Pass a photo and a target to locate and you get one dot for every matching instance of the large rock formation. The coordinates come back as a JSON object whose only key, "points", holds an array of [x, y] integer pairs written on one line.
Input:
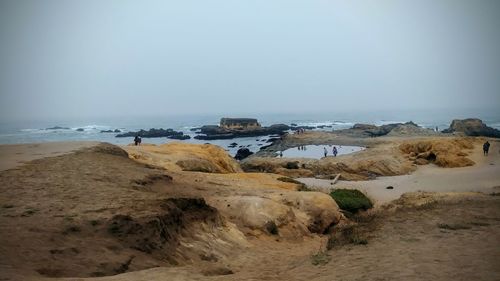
{"points": [[188, 157], [395, 129], [212, 132], [156, 133], [449, 153], [472, 127]]}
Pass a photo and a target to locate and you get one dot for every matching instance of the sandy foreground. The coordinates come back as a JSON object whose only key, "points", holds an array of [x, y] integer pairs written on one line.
{"points": [[55, 209], [13, 155]]}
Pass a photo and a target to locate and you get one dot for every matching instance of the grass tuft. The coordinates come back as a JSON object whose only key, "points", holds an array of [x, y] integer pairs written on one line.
{"points": [[351, 200], [321, 258]]}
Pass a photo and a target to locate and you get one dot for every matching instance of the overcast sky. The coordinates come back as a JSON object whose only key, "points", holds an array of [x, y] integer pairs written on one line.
{"points": [[111, 58]]}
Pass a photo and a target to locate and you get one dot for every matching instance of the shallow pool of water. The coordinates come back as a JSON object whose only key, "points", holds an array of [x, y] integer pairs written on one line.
{"points": [[317, 151]]}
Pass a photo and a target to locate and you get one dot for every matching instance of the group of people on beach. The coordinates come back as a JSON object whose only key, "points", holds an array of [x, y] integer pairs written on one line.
{"points": [[334, 151], [301, 147], [300, 131]]}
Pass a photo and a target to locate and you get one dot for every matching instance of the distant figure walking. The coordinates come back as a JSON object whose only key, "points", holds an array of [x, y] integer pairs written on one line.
{"points": [[137, 140], [335, 151], [326, 151], [437, 130], [281, 154], [486, 148]]}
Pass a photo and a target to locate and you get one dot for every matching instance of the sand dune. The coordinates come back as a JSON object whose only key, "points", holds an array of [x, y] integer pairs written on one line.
{"points": [[97, 212]]}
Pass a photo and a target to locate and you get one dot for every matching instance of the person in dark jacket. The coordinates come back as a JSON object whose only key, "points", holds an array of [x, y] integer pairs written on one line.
{"points": [[137, 140], [486, 148]]}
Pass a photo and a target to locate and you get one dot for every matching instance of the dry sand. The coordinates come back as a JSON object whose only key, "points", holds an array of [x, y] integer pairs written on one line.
{"points": [[457, 237], [13, 155]]}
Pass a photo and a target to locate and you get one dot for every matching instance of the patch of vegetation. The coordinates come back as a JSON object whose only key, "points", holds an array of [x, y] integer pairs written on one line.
{"points": [[351, 200], [355, 233], [7, 206], [456, 226], [321, 258], [94, 222]]}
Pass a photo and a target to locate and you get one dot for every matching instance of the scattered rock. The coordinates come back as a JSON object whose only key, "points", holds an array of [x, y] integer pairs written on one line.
{"points": [[242, 153], [80, 129], [390, 187], [292, 165]]}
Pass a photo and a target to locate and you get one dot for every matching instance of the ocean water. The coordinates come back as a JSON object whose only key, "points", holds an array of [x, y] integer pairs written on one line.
{"points": [[36, 131], [318, 151]]}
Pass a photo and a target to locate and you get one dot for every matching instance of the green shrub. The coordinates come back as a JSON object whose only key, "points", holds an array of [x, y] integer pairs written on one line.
{"points": [[351, 200]]}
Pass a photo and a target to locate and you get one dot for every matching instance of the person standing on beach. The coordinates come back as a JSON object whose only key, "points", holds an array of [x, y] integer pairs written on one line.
{"points": [[486, 148], [335, 151], [136, 140], [326, 152]]}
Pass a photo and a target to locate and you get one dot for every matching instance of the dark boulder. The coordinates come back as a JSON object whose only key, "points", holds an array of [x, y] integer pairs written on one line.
{"points": [[80, 129], [242, 153], [472, 127], [292, 165]]}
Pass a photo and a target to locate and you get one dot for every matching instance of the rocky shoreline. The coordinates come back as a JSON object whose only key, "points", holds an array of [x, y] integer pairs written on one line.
{"points": [[156, 133], [365, 134]]}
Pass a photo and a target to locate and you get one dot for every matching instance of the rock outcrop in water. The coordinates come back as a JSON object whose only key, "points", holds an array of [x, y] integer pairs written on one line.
{"points": [[111, 131], [57, 128], [156, 133], [395, 129], [472, 127], [214, 132]]}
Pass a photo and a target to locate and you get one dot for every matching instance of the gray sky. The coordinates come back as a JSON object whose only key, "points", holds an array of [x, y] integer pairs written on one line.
{"points": [[111, 58]]}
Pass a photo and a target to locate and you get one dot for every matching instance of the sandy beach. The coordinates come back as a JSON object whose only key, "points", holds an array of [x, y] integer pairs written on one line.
{"points": [[78, 211], [483, 177]]}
